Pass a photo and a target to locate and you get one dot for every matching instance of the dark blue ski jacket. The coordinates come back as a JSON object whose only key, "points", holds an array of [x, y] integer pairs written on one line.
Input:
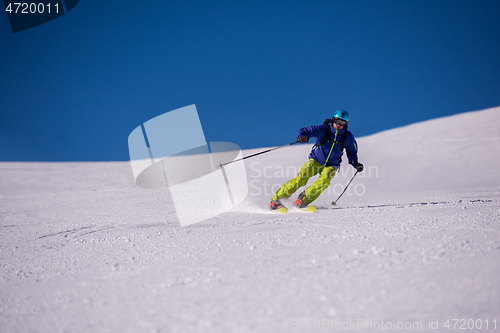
{"points": [[330, 153]]}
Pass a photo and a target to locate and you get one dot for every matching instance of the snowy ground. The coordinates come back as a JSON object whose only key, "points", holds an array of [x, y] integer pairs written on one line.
{"points": [[84, 250]]}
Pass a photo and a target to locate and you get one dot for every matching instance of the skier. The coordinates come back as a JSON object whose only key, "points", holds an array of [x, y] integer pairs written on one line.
{"points": [[331, 138]]}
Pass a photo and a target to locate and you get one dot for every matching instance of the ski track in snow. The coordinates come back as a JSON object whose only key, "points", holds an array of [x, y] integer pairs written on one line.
{"points": [[83, 250]]}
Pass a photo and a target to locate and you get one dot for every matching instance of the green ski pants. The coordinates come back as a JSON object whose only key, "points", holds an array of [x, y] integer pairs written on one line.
{"points": [[311, 168]]}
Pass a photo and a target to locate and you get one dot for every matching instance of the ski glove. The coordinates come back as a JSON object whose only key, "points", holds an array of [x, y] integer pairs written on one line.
{"points": [[302, 139], [359, 167]]}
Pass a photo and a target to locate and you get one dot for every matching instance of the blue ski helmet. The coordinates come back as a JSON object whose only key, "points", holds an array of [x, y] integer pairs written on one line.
{"points": [[341, 114]]}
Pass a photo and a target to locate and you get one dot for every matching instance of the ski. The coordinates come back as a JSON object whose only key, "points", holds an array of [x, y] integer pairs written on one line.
{"points": [[281, 210], [309, 209], [284, 210]]}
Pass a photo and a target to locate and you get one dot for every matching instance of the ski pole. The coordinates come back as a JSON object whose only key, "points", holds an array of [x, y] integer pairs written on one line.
{"points": [[262, 152], [335, 202]]}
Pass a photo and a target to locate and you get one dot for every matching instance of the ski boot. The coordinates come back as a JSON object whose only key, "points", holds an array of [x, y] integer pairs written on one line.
{"points": [[277, 206], [299, 203]]}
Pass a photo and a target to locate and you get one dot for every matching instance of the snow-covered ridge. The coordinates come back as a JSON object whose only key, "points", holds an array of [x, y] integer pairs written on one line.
{"points": [[445, 153]]}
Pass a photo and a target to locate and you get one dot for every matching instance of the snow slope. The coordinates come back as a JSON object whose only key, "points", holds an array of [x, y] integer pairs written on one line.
{"points": [[414, 243]]}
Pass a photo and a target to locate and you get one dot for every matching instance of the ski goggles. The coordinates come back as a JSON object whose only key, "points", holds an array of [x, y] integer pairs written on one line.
{"points": [[339, 121]]}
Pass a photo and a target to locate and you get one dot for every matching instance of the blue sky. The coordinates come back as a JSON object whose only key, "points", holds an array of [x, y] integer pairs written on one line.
{"points": [[74, 88]]}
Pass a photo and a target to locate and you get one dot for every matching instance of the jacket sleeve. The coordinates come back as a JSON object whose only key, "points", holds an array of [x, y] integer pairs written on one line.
{"points": [[351, 147], [312, 132]]}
